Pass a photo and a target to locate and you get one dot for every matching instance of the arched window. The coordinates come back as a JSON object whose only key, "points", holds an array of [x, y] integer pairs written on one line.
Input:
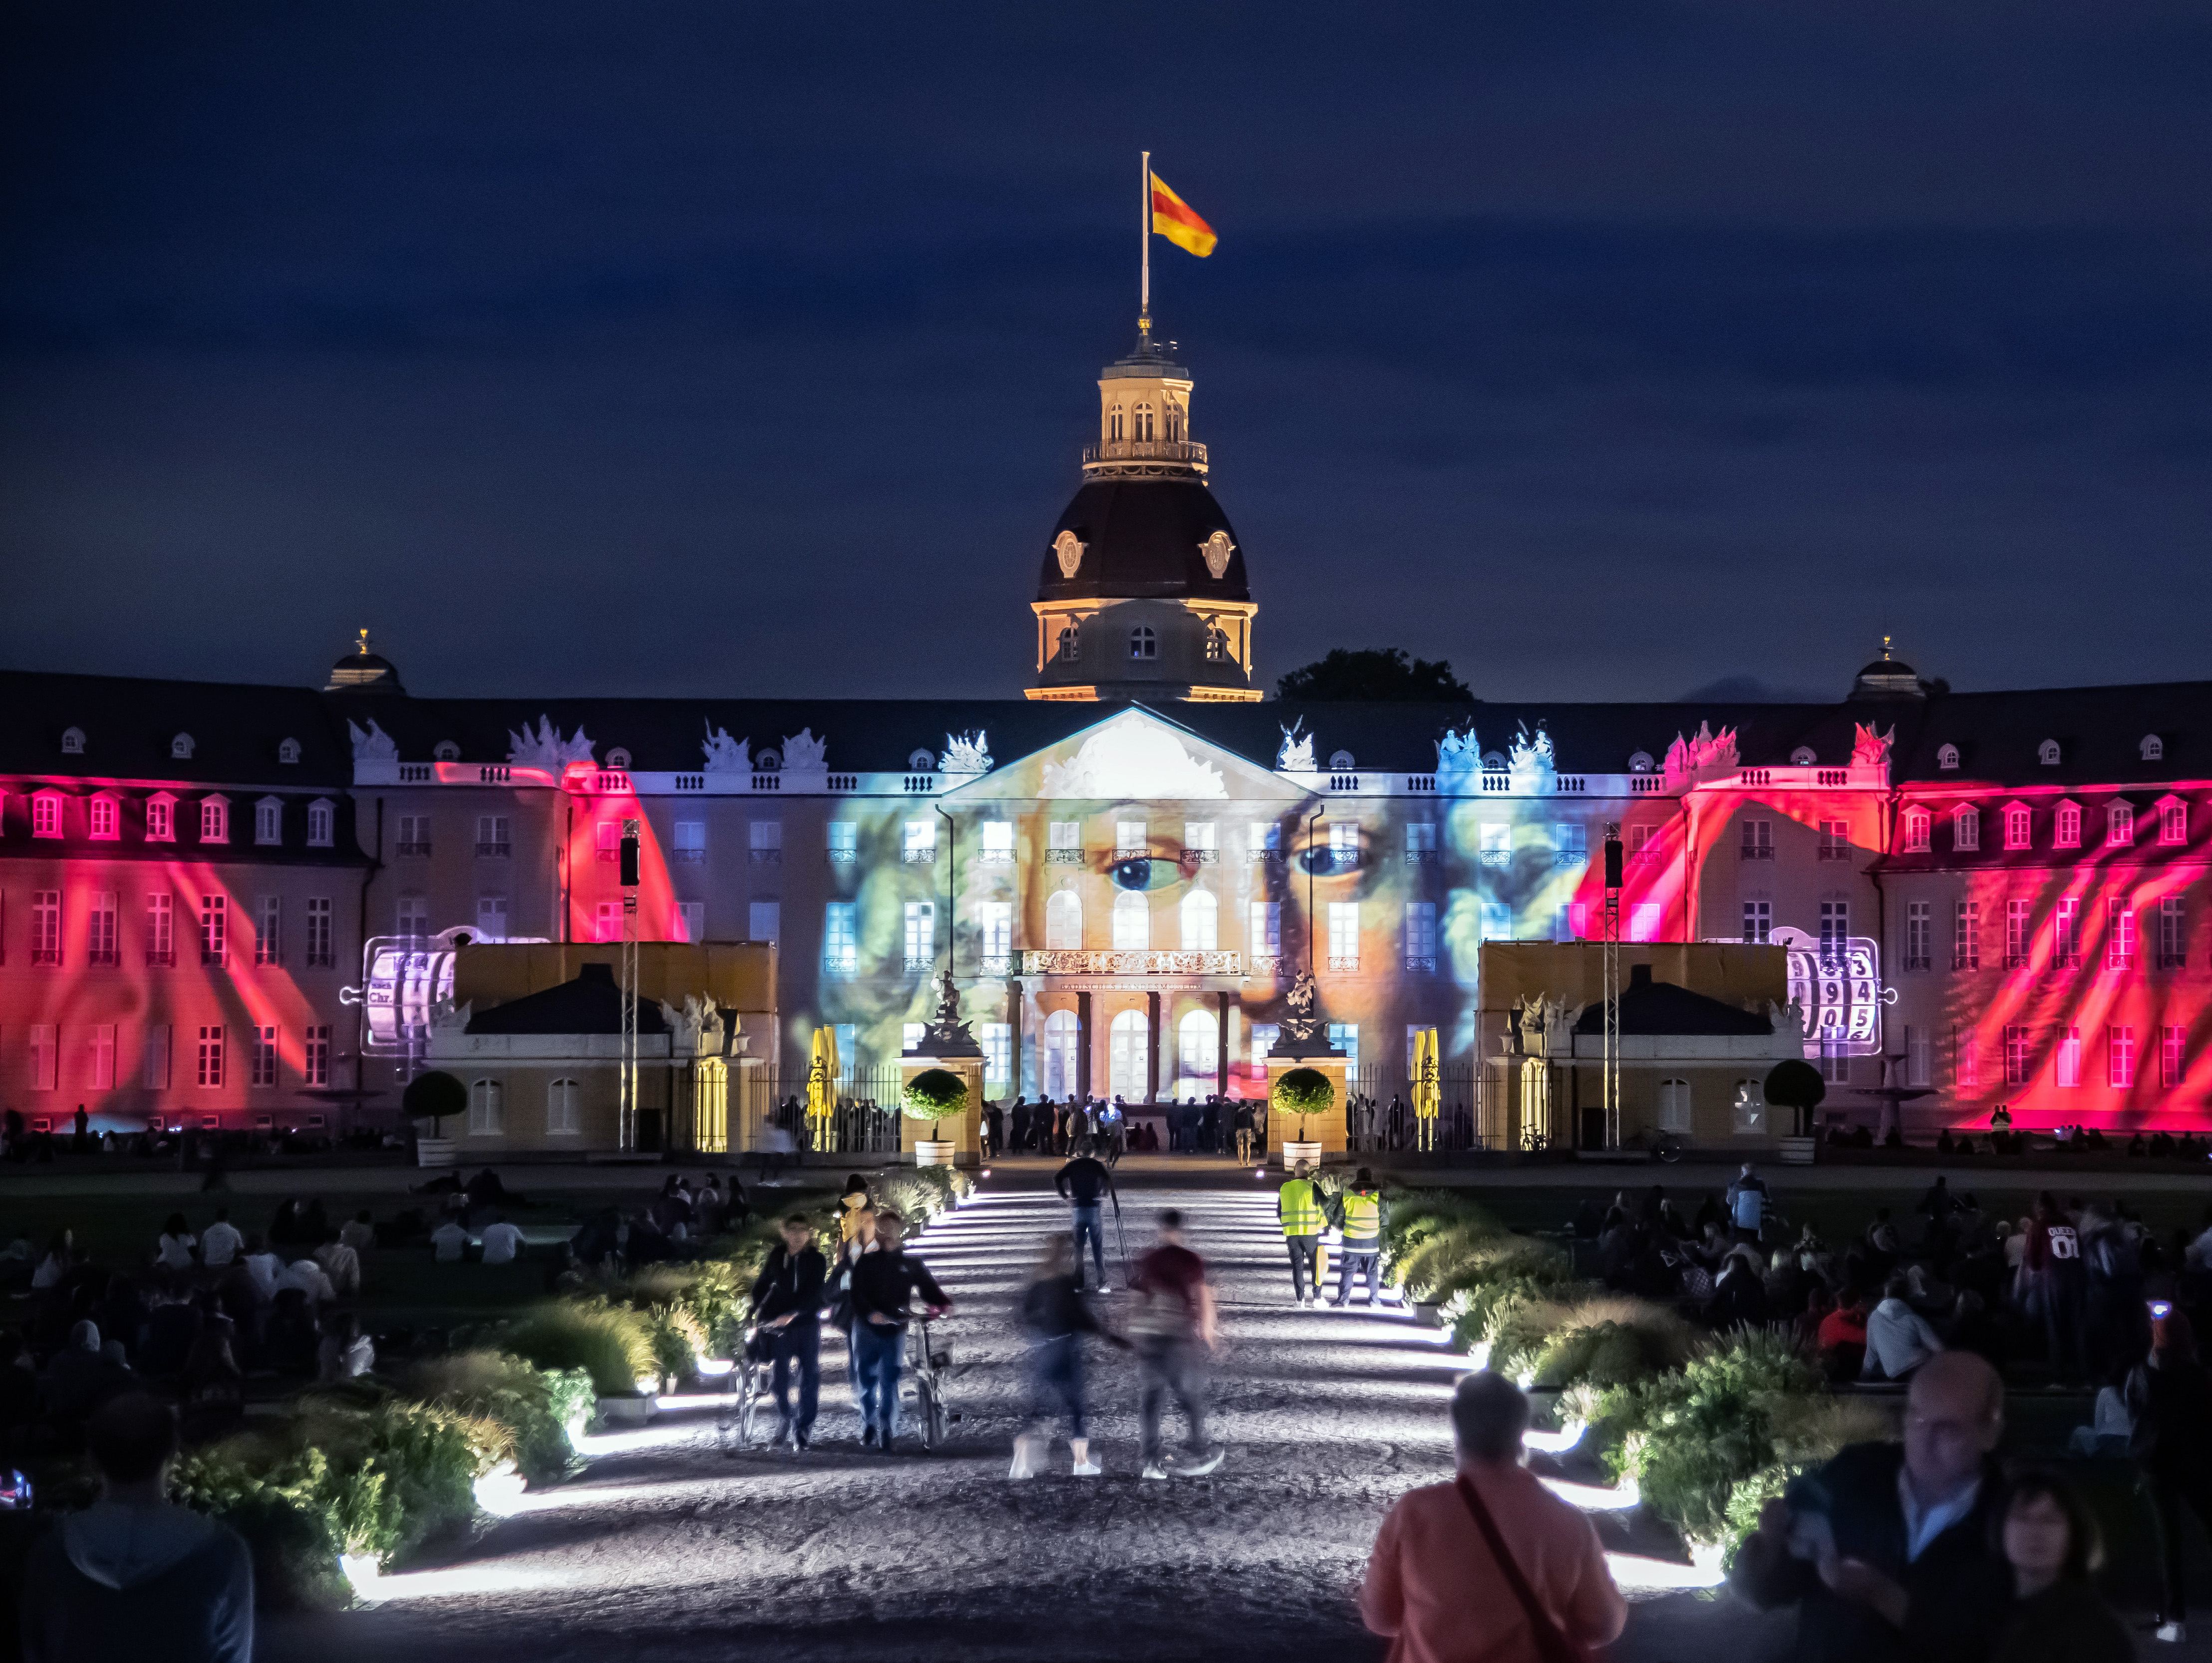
{"points": [[1062, 1034], [1063, 921], [1142, 434], [1116, 425], [2047, 753], [1070, 645], [1129, 1056], [1175, 422], [1132, 922], [2152, 748], [564, 1110], [1674, 1106], [1198, 1054], [1201, 922], [1915, 831], [1947, 757], [487, 1109], [710, 1108], [1142, 644]]}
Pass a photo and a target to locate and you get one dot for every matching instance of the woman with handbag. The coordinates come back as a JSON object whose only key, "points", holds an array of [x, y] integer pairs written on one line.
{"points": [[1491, 1566]]}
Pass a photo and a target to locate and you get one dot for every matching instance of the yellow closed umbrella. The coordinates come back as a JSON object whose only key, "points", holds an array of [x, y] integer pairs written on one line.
{"points": [[822, 1074], [1428, 1080]]}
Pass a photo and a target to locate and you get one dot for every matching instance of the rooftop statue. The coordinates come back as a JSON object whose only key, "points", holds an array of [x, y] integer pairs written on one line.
{"points": [[804, 754], [1868, 748], [725, 755], [1296, 755], [966, 754], [374, 746], [546, 749]]}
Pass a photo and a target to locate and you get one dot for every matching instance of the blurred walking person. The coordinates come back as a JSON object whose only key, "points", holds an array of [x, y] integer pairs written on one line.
{"points": [[1490, 1565], [1175, 1330], [1056, 1318]]}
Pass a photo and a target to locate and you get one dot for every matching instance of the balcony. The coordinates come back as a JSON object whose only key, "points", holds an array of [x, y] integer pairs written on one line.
{"points": [[1965, 961], [1123, 961], [921, 964], [1199, 857], [52, 956], [492, 851], [920, 857], [691, 857], [1835, 852], [841, 964], [2119, 961], [2015, 961], [1344, 967], [758, 857], [995, 964], [1420, 857], [161, 958], [415, 851], [847, 855], [104, 955], [322, 961], [2066, 958], [1121, 855], [1063, 857], [1501, 856], [2172, 961], [1267, 964], [214, 956], [1570, 857], [996, 858], [1920, 964], [1181, 451]]}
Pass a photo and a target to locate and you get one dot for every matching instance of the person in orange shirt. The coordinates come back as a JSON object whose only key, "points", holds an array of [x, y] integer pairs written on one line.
{"points": [[1443, 1584]]}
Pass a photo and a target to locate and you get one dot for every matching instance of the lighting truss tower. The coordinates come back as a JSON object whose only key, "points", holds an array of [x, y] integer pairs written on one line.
{"points": [[1611, 950], [626, 1116]]}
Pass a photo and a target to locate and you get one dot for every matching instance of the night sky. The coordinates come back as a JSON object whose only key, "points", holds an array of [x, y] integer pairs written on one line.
{"points": [[1606, 350]]}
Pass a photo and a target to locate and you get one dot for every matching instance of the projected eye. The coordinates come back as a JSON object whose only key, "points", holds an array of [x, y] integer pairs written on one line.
{"points": [[1324, 858], [1145, 872]]}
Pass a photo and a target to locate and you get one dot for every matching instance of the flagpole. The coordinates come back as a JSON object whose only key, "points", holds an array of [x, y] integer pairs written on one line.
{"points": [[1145, 241]]}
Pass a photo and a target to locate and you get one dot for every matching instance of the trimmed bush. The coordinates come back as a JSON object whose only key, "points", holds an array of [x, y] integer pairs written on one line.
{"points": [[610, 1343], [935, 1094], [1610, 1340], [535, 1406], [1300, 1094], [677, 1340]]}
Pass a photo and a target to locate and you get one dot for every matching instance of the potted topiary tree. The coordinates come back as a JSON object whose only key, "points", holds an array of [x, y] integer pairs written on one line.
{"points": [[934, 1095], [1301, 1092], [432, 1097], [1796, 1085]]}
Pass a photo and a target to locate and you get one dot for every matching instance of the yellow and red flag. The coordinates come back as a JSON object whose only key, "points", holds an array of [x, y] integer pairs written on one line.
{"points": [[1172, 218]]}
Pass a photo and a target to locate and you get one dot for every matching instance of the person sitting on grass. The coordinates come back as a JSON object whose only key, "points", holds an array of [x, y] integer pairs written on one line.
{"points": [[310, 1280], [1898, 1338], [135, 1575], [449, 1242], [59, 1257], [345, 1354], [176, 1245], [220, 1243], [263, 1266], [502, 1241], [341, 1264], [358, 1232]]}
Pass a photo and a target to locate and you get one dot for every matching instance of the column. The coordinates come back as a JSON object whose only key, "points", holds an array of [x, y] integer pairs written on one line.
{"points": [[1221, 1044], [1083, 1044], [1152, 1045]]}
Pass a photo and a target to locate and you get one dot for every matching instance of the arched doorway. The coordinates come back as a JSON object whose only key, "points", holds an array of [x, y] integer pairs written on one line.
{"points": [[1674, 1106], [1128, 1057], [1061, 1035]]}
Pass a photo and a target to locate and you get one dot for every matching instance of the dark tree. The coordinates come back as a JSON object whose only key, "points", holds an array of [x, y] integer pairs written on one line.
{"points": [[1383, 673], [1797, 1085], [432, 1097]]}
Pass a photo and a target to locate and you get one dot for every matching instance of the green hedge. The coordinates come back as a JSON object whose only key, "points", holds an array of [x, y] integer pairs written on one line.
{"points": [[535, 1406], [935, 1094], [610, 1343]]}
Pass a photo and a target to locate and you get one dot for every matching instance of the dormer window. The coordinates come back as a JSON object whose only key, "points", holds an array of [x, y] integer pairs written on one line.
{"points": [[1802, 757], [1339, 762], [1966, 829], [160, 818], [1946, 757], [2173, 821], [2047, 753], [319, 823], [1640, 763], [446, 751], [2120, 826], [104, 822], [2019, 824], [1918, 822], [269, 821], [214, 820], [2152, 748], [619, 758], [72, 742], [180, 748], [2066, 827], [47, 814], [1143, 643], [922, 761], [287, 751]]}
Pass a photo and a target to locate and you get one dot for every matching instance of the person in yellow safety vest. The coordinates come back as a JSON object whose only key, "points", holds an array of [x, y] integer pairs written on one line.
{"points": [[1298, 1205], [1361, 1214]]}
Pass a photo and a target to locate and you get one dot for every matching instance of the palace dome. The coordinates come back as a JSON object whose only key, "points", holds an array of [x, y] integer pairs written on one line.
{"points": [[1146, 538]]}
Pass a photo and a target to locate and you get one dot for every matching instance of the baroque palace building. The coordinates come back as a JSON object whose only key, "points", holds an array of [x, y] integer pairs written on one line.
{"points": [[233, 905]]}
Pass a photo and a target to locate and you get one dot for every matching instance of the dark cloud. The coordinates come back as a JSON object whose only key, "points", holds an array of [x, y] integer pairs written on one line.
{"points": [[1592, 347]]}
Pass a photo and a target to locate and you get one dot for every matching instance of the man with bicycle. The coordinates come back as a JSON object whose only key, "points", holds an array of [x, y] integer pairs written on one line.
{"points": [[883, 1282], [786, 1313]]}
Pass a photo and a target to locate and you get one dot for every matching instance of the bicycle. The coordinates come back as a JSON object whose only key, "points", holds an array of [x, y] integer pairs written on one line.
{"points": [[1664, 1146], [927, 1368], [746, 1398]]}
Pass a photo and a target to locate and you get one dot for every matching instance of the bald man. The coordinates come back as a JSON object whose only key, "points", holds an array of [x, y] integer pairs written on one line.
{"points": [[1886, 1550]]}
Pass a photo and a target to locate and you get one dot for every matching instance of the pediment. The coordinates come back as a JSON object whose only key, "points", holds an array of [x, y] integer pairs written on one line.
{"points": [[1134, 756]]}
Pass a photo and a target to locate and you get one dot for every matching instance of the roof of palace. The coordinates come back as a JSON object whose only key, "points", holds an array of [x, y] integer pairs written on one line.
{"points": [[589, 1003], [1650, 1006], [237, 730]]}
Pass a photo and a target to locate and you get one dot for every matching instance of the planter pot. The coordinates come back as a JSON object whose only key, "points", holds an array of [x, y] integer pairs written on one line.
{"points": [[434, 1151], [1294, 1153], [1795, 1151], [635, 1410], [933, 1152]]}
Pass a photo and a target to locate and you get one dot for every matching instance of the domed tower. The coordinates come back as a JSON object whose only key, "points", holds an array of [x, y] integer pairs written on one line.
{"points": [[1142, 593], [363, 671]]}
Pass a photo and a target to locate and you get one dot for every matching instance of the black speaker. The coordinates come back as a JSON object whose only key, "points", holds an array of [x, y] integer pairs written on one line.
{"points": [[629, 863], [1613, 863]]}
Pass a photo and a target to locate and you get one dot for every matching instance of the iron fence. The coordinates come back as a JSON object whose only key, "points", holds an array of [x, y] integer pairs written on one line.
{"points": [[865, 1120], [1379, 1111]]}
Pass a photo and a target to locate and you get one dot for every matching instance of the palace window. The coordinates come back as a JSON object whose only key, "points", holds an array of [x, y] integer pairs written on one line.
{"points": [[996, 922], [1063, 921], [160, 929], [318, 824], [210, 1058], [1645, 921], [214, 820], [1344, 935], [690, 843], [161, 818], [1133, 923], [46, 926], [2119, 826], [1947, 757], [269, 935], [414, 834], [1201, 922], [104, 819], [100, 934], [1835, 839], [1966, 829], [262, 1058], [917, 841], [2120, 1056], [2019, 921], [2173, 1064], [1143, 643], [2173, 933], [1142, 424], [1570, 844], [46, 815], [1758, 921], [1919, 929], [564, 1105], [487, 1109], [1915, 840], [2173, 821], [844, 840], [921, 937], [998, 842], [269, 821], [1420, 935], [215, 927], [2119, 934], [2066, 933], [491, 918], [1070, 644], [320, 952], [2066, 827], [2019, 1053], [1268, 929], [2017, 823], [763, 843], [2070, 1057], [841, 938], [315, 1057], [153, 1062], [1835, 929]]}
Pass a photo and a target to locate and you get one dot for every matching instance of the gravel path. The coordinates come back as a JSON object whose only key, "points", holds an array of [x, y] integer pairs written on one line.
{"points": [[669, 1549]]}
